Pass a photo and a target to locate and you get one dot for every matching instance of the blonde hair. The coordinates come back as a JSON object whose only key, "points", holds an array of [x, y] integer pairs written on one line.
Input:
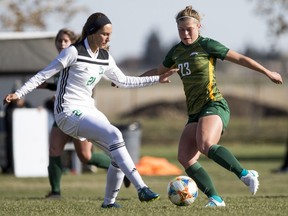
{"points": [[188, 12]]}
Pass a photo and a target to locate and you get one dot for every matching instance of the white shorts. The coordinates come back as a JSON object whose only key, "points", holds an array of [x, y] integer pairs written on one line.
{"points": [[91, 124]]}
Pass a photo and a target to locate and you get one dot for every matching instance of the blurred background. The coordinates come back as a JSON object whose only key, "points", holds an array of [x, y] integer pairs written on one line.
{"points": [[143, 31]]}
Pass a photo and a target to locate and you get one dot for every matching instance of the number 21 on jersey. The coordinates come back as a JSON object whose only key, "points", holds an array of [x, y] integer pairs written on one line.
{"points": [[91, 81]]}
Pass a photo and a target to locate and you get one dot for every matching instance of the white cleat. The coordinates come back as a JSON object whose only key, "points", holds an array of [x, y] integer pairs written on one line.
{"points": [[251, 180], [214, 203]]}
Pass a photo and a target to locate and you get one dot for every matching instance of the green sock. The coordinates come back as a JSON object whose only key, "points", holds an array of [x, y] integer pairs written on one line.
{"points": [[202, 179], [225, 158], [101, 160], [55, 173]]}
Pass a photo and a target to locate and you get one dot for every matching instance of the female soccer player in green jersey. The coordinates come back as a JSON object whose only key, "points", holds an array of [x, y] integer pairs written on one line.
{"points": [[208, 112]]}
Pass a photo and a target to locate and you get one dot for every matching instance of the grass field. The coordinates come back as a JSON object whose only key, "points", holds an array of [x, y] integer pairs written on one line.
{"points": [[83, 194], [258, 145]]}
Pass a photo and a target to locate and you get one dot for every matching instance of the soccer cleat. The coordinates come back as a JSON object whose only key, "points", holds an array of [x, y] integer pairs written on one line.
{"points": [[53, 195], [214, 203], [113, 205], [127, 182], [146, 195], [251, 180], [282, 169]]}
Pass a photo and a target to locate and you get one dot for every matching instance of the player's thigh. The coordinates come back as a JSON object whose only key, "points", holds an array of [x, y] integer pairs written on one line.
{"points": [[57, 141], [100, 130], [209, 132], [187, 150], [83, 149]]}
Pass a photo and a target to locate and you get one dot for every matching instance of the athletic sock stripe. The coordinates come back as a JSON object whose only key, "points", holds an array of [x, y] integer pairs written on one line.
{"points": [[113, 163], [116, 146]]}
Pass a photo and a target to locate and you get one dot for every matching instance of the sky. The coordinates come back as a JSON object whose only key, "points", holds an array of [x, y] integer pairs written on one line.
{"points": [[233, 23]]}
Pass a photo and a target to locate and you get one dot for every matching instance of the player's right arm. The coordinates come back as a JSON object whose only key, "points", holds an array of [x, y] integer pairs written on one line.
{"points": [[161, 69], [34, 81], [63, 59], [49, 86], [9, 98]]}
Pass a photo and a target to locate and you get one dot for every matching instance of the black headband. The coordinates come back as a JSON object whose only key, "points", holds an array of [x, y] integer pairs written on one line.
{"points": [[98, 24]]}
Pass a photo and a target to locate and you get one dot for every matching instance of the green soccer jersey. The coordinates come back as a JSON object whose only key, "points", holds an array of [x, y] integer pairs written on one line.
{"points": [[196, 63]]}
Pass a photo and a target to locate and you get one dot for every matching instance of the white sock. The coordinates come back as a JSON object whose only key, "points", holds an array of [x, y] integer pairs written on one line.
{"points": [[113, 183], [126, 164]]}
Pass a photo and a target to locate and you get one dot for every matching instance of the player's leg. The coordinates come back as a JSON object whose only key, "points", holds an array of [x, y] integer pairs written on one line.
{"points": [[188, 155], [210, 129], [87, 156], [113, 181], [284, 167], [106, 136], [209, 132], [57, 141]]}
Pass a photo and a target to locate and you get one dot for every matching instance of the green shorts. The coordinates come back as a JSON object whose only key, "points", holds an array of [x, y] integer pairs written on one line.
{"points": [[219, 108]]}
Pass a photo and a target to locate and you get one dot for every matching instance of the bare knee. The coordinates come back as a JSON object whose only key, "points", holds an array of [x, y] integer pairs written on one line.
{"points": [[84, 157], [83, 150], [55, 149], [204, 148], [188, 160], [57, 141]]}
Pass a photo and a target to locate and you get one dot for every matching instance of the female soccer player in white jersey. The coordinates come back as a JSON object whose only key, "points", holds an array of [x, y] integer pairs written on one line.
{"points": [[82, 65], [58, 139]]}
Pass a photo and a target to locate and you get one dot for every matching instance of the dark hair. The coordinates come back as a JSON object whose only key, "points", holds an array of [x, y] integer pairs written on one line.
{"points": [[94, 22], [72, 36]]}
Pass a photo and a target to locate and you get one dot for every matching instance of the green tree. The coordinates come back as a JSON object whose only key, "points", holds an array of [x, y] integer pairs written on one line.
{"points": [[19, 15]]}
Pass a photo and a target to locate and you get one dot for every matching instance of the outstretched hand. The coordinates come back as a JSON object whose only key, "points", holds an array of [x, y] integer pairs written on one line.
{"points": [[275, 77], [9, 98], [163, 78]]}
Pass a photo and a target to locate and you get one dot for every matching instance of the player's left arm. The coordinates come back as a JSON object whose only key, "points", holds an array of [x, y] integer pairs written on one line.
{"points": [[245, 61]]}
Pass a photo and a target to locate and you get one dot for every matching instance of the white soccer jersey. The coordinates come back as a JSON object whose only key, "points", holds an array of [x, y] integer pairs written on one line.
{"points": [[81, 70]]}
